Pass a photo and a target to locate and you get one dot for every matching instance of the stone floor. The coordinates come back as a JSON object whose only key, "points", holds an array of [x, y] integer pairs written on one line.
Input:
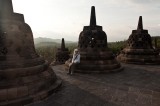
{"points": [[137, 85]]}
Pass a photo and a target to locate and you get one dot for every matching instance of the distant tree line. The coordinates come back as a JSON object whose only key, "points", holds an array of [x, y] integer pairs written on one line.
{"points": [[48, 51]]}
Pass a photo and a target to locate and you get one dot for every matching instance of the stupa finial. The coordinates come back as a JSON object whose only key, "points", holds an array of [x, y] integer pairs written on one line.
{"points": [[93, 17], [140, 23], [63, 44]]}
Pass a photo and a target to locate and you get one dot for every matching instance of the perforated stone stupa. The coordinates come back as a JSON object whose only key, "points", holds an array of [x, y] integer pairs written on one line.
{"points": [[95, 55], [62, 54], [139, 49], [24, 76]]}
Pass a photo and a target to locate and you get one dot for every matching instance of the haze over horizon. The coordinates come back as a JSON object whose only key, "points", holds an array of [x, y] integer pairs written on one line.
{"points": [[66, 18]]}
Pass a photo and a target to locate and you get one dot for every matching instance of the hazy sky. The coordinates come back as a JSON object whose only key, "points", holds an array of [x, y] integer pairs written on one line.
{"points": [[66, 18]]}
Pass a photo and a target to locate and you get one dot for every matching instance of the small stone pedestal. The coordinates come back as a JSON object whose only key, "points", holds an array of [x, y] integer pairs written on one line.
{"points": [[62, 54]]}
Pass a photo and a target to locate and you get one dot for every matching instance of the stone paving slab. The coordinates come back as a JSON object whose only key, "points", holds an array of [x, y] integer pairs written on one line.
{"points": [[137, 85]]}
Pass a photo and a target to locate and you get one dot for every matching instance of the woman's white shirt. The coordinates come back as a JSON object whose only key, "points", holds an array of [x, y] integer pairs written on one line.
{"points": [[76, 58]]}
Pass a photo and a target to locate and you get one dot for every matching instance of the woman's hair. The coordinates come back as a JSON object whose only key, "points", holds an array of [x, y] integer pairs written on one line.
{"points": [[75, 51]]}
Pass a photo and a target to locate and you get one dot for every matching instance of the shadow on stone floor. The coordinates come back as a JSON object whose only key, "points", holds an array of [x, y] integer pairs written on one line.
{"points": [[71, 95], [135, 86]]}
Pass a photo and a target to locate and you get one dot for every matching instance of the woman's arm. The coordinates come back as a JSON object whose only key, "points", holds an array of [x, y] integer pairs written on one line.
{"points": [[73, 58]]}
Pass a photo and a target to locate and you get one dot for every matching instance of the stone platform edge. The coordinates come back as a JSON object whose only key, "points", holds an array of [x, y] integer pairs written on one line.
{"points": [[33, 98]]}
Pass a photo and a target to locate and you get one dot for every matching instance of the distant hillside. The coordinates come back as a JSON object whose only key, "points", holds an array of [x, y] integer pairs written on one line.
{"points": [[43, 42], [43, 39]]}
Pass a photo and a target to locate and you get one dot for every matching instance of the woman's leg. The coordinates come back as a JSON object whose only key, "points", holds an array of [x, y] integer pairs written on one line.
{"points": [[73, 67], [70, 68]]}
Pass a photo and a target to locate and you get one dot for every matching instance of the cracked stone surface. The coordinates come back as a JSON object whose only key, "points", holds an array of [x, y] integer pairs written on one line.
{"points": [[137, 85]]}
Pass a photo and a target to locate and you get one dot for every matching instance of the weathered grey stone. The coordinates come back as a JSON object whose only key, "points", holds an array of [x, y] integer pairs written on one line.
{"points": [[96, 57], [24, 75], [139, 49], [62, 54]]}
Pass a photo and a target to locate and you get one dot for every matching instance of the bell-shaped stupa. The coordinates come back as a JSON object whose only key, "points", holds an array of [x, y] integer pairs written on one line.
{"points": [[24, 76], [139, 49], [62, 54], [95, 55]]}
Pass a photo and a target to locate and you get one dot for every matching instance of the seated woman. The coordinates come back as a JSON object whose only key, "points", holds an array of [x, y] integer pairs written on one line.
{"points": [[74, 62]]}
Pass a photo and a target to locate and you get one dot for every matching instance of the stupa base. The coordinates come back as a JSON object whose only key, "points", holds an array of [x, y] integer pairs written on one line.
{"points": [[95, 68], [144, 60], [99, 71], [30, 89]]}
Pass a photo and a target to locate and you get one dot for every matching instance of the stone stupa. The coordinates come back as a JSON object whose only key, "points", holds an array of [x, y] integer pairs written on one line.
{"points": [[25, 77], [96, 57], [62, 54], [139, 49]]}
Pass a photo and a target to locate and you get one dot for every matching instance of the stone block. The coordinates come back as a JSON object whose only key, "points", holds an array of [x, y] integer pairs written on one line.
{"points": [[3, 94], [12, 93], [22, 91]]}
